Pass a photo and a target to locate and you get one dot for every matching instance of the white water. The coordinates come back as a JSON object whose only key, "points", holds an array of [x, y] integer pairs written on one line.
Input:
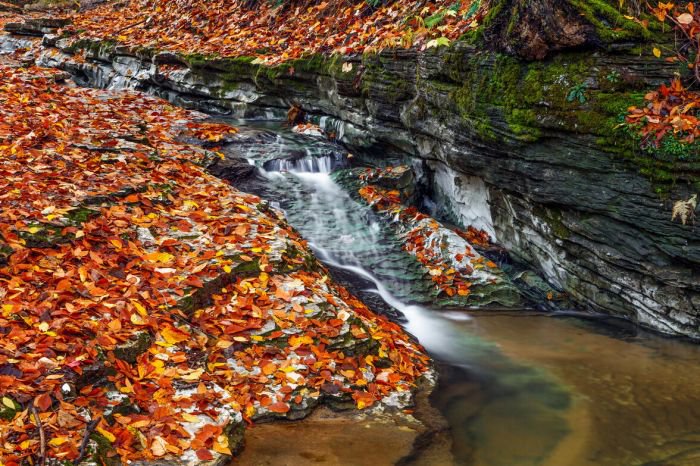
{"points": [[346, 240], [308, 164]]}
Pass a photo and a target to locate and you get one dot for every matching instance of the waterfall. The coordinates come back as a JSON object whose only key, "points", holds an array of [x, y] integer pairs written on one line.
{"points": [[310, 161], [308, 164]]}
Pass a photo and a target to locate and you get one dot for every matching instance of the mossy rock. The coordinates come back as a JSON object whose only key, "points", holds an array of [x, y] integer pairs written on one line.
{"points": [[198, 298], [535, 29], [5, 252], [135, 347]]}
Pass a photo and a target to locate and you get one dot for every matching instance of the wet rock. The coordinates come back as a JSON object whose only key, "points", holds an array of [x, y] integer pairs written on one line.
{"points": [[133, 348], [232, 169], [37, 26], [9, 44]]}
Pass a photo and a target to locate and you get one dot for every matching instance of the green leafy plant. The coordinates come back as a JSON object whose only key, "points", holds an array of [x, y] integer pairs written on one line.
{"points": [[613, 77], [578, 92]]}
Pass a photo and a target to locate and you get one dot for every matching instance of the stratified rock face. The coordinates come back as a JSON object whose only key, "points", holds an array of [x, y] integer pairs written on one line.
{"points": [[544, 175]]}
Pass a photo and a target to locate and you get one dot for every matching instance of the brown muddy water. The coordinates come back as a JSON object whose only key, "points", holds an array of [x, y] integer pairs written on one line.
{"points": [[538, 390]]}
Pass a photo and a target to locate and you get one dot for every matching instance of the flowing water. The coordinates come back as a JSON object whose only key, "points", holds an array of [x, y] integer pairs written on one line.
{"points": [[517, 388]]}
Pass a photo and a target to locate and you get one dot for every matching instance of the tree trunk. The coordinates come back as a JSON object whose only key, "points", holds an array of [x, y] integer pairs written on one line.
{"points": [[534, 29]]}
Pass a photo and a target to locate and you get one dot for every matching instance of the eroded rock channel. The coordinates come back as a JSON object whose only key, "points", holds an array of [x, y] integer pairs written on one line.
{"points": [[498, 145]]}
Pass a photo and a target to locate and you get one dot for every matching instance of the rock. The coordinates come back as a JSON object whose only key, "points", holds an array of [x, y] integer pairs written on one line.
{"points": [[132, 349], [232, 169], [37, 26], [461, 274], [10, 8], [9, 44]]}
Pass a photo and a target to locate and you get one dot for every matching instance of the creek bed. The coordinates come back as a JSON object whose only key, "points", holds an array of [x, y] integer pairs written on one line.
{"points": [[517, 388]]}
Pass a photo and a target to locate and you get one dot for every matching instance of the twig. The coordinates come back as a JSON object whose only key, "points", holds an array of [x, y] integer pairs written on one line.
{"points": [[42, 436], [130, 26], [86, 438]]}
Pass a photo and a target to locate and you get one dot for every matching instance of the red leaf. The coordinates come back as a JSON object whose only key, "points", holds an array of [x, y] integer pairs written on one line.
{"points": [[43, 402], [204, 454]]}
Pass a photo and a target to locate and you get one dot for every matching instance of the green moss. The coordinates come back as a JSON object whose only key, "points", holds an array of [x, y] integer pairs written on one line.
{"points": [[553, 219], [94, 48], [45, 235], [532, 99], [229, 68], [104, 453], [379, 82], [235, 432], [133, 348], [5, 252], [80, 215], [610, 23]]}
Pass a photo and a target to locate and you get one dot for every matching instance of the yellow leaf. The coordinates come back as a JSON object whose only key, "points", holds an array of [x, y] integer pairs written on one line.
{"points": [[190, 417], [221, 446], [141, 310], [8, 402], [657, 52], [137, 320], [194, 375], [173, 336], [159, 257], [227, 269], [44, 326], [295, 341], [107, 434], [34, 230], [58, 441]]}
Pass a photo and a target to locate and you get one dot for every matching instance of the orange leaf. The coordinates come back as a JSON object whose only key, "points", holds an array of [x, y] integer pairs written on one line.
{"points": [[43, 402], [279, 407]]}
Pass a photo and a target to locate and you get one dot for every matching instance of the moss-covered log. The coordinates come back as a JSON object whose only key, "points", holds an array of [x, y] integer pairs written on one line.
{"points": [[535, 29]]}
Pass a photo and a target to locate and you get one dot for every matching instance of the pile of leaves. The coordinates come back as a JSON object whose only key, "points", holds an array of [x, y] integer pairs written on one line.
{"points": [[279, 31], [687, 22], [451, 263], [669, 118], [149, 305], [669, 111]]}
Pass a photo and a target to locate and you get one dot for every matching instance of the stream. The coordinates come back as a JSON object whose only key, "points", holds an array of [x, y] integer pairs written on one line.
{"points": [[517, 388]]}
